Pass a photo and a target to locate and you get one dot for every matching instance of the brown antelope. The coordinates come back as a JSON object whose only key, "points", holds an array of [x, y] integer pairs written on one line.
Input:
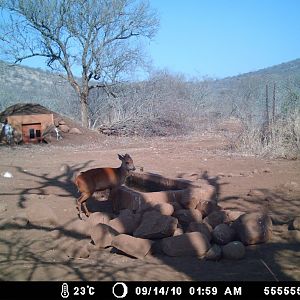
{"points": [[101, 179]]}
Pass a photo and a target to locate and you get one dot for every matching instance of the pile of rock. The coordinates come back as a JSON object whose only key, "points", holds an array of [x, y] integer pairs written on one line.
{"points": [[187, 226], [63, 127]]}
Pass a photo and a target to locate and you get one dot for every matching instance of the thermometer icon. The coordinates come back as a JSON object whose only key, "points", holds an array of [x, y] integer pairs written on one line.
{"points": [[64, 290]]}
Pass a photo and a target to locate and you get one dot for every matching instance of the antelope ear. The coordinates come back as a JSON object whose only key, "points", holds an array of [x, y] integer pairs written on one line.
{"points": [[120, 157]]}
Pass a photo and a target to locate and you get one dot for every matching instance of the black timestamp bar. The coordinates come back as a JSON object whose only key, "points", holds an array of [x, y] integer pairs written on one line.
{"points": [[147, 290]]}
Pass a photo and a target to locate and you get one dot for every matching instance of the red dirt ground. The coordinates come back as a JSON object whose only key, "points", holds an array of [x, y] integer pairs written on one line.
{"points": [[40, 175]]}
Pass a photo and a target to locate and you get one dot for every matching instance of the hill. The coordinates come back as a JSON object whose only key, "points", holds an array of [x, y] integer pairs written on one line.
{"points": [[223, 97], [21, 84]]}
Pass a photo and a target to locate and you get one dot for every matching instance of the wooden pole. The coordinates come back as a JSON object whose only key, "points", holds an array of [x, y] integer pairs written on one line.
{"points": [[273, 106]]}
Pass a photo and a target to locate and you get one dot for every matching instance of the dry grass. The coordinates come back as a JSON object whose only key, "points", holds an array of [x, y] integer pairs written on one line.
{"points": [[281, 139]]}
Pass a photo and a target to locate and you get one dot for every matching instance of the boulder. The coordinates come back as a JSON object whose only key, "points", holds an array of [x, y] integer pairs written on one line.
{"points": [[187, 216], [296, 223], [207, 192], [157, 247], [253, 228], [156, 226], [200, 227], [206, 207], [123, 198], [234, 250], [102, 235], [187, 244], [126, 222], [214, 253], [64, 128], [61, 122], [165, 209], [132, 246], [223, 234], [98, 218], [232, 215], [216, 218], [191, 197], [77, 228], [178, 231], [75, 131], [176, 205], [39, 213]]}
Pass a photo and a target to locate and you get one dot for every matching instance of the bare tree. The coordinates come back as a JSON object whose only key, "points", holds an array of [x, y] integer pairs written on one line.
{"points": [[100, 39]]}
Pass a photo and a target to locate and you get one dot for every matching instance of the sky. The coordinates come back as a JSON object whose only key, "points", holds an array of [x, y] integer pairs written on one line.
{"points": [[220, 38]]}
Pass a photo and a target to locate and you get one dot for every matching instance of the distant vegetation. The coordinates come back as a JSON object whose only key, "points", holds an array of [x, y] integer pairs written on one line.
{"points": [[103, 39], [168, 104]]}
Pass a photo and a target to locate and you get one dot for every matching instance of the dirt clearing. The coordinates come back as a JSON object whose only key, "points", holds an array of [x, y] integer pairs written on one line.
{"points": [[42, 183]]}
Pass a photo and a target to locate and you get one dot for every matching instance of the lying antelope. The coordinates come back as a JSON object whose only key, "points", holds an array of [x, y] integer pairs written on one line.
{"points": [[101, 179]]}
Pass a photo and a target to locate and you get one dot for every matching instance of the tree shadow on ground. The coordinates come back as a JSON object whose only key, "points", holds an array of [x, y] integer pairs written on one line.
{"points": [[64, 182], [31, 252]]}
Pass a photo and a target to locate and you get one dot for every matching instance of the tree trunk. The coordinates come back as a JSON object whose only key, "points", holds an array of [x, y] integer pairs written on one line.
{"points": [[84, 110]]}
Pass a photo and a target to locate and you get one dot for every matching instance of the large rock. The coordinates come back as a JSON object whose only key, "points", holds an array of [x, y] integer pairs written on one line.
{"points": [[216, 218], [253, 228], [223, 234], [200, 227], [187, 216], [214, 253], [39, 213], [102, 235], [64, 128], [165, 209], [207, 192], [123, 198], [132, 246], [77, 228], [156, 226], [192, 196], [178, 231], [176, 205], [232, 215], [75, 131], [187, 244], [234, 250], [206, 207], [98, 218], [126, 222], [61, 122]]}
